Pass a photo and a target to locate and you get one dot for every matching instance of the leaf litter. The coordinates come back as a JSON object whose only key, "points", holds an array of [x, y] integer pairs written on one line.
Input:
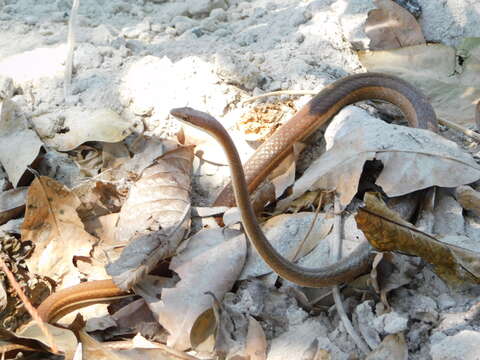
{"points": [[251, 323]]}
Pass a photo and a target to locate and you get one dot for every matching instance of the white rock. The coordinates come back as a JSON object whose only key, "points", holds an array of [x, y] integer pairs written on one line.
{"points": [[6, 87], [448, 216], [87, 56], [203, 7], [182, 24], [391, 323], [365, 319], [464, 345]]}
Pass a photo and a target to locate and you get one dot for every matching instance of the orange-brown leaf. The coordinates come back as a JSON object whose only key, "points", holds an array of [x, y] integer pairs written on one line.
{"points": [[386, 231], [53, 225]]}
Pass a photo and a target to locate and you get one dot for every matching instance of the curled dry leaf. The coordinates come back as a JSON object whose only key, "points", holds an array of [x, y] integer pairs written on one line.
{"points": [[16, 134], [64, 339], [387, 231], [92, 349], [453, 88], [53, 225], [68, 129], [256, 344], [213, 268], [155, 216], [212, 331], [412, 159], [12, 203], [391, 26]]}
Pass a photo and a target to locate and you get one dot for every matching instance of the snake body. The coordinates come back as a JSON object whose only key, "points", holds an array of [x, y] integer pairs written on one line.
{"points": [[413, 104]]}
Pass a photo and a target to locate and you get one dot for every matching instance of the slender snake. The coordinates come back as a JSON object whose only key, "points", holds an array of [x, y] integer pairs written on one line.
{"points": [[413, 104]]}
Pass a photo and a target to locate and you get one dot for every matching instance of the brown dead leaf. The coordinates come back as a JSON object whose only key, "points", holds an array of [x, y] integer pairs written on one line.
{"points": [[53, 225], [412, 159], [213, 268], [19, 144], [155, 216], [387, 231], [64, 339], [12, 203], [391, 26], [256, 344], [392, 347], [92, 349], [202, 335]]}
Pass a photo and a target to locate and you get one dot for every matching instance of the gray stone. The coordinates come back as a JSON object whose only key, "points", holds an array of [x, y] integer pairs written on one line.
{"points": [[235, 70], [6, 87], [391, 323], [464, 345], [423, 308], [182, 24], [448, 215], [445, 301], [204, 7]]}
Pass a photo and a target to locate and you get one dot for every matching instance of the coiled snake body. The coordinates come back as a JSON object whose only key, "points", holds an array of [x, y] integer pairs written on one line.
{"points": [[413, 104]]}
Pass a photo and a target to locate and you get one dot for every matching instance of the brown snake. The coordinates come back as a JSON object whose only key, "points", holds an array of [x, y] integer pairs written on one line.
{"points": [[319, 110]]}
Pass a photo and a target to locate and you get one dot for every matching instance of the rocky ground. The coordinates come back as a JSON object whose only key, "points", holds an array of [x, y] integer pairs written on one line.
{"points": [[142, 58]]}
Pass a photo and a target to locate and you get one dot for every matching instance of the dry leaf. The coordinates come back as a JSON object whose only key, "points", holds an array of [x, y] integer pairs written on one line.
{"points": [[391, 26], [452, 88], [16, 134], [412, 158], [52, 224], [92, 349], [12, 203], [212, 331], [75, 126], [392, 347], [202, 334], [256, 344], [387, 231], [213, 269], [155, 216], [64, 339]]}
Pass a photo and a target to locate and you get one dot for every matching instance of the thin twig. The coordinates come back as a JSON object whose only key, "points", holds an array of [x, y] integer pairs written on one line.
{"points": [[470, 133], [312, 224], [467, 132], [336, 253], [31, 310], [70, 48]]}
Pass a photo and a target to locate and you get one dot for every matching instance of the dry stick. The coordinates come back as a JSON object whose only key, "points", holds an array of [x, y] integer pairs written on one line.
{"points": [[312, 224], [336, 254], [31, 310], [470, 133], [70, 48]]}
